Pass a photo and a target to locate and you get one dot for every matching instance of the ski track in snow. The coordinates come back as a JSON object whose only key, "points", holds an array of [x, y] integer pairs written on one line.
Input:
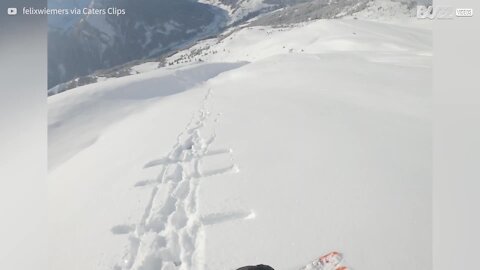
{"points": [[170, 234]]}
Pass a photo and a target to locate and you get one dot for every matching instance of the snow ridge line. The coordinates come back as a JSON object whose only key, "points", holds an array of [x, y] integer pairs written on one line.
{"points": [[170, 234]]}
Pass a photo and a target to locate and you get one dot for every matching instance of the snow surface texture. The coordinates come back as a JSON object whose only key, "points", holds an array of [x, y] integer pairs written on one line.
{"points": [[278, 146], [169, 234]]}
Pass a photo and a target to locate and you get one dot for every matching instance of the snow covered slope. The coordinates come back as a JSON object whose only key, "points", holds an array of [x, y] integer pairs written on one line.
{"points": [[265, 146], [256, 43], [100, 40]]}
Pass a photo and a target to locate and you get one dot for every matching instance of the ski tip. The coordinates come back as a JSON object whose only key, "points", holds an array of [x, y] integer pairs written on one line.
{"points": [[330, 261], [333, 256]]}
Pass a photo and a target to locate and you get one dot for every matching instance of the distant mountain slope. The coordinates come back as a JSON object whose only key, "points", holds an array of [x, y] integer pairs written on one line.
{"points": [[65, 22], [84, 49], [79, 45], [296, 11]]}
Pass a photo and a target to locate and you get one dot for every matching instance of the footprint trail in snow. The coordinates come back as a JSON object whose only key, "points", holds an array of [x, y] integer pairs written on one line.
{"points": [[170, 234]]}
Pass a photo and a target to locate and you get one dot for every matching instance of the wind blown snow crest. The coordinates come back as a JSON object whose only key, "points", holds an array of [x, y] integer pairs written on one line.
{"points": [[170, 234]]}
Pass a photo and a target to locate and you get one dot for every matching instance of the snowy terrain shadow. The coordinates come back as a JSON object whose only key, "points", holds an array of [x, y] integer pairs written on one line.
{"points": [[176, 82], [93, 108], [217, 218]]}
